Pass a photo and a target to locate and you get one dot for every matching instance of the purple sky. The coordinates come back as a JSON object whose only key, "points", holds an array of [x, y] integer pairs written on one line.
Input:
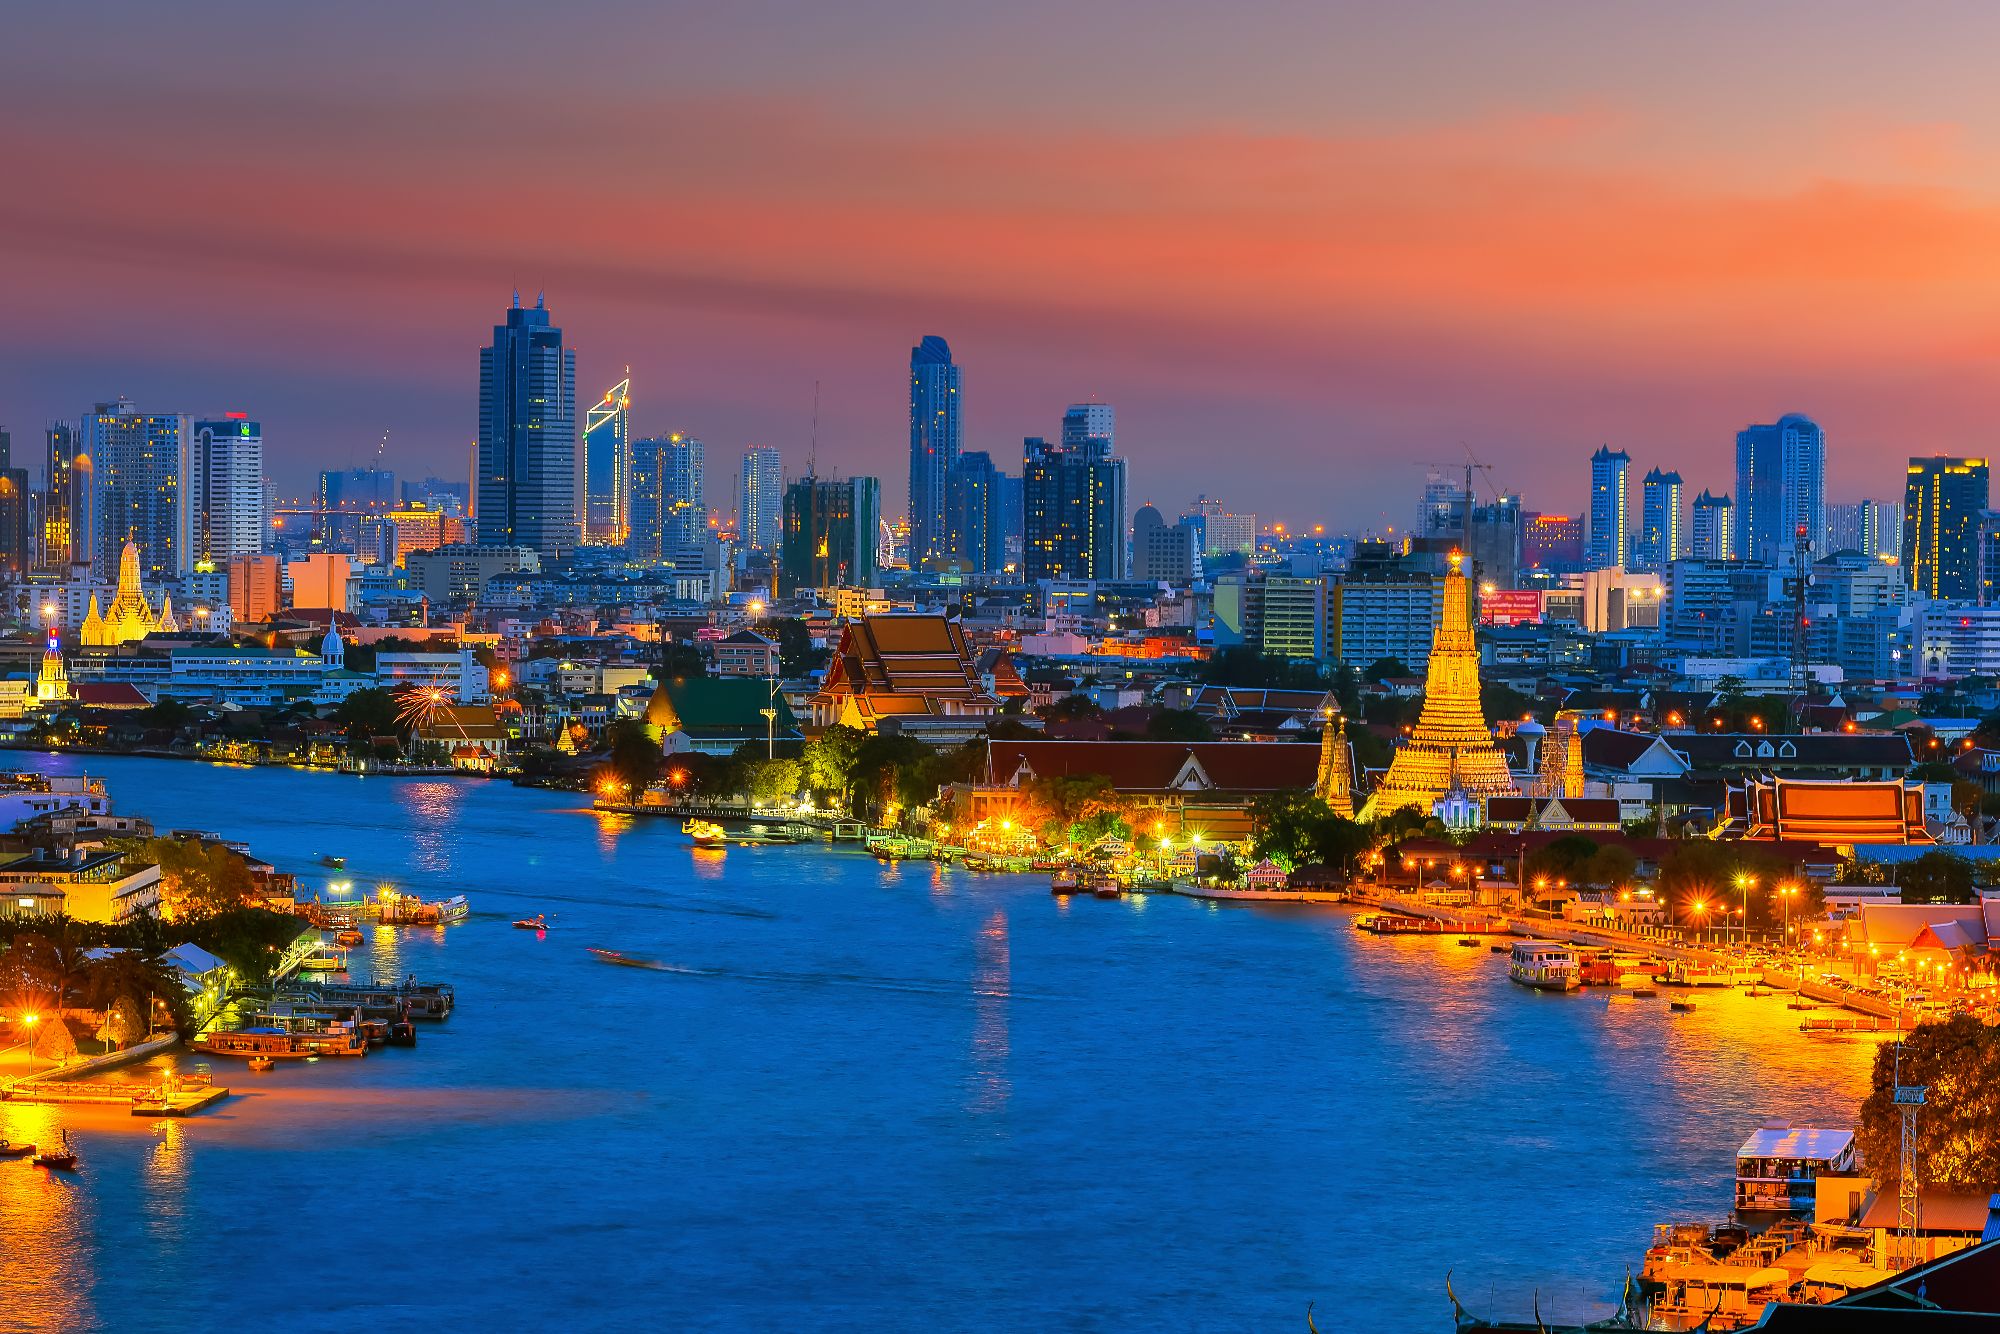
{"points": [[1302, 247]]}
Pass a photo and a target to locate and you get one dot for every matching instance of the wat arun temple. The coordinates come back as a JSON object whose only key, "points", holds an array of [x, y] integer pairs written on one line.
{"points": [[1451, 751]]}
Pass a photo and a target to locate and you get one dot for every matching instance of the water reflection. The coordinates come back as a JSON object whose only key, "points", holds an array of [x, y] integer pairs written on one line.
{"points": [[709, 863], [433, 809], [992, 980], [46, 1262], [164, 1182]]}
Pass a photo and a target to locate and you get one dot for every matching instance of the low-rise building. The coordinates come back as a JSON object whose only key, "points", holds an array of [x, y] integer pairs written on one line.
{"points": [[87, 886]]}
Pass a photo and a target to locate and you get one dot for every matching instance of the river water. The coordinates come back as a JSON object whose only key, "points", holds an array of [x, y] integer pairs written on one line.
{"points": [[861, 1097]]}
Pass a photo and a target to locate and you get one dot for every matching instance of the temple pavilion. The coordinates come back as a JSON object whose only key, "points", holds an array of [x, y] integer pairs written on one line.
{"points": [[129, 616], [1451, 750]]}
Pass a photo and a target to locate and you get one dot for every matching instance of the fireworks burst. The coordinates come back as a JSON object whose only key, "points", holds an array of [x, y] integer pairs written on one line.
{"points": [[421, 705]]}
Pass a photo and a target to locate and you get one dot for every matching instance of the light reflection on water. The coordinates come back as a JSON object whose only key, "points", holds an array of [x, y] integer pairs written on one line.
{"points": [[868, 1096]]}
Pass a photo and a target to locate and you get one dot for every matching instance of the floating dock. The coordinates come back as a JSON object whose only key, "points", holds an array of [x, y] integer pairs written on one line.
{"points": [[141, 1099]]}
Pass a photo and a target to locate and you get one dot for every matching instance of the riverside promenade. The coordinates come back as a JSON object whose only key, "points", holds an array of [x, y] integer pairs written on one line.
{"points": [[73, 1084]]}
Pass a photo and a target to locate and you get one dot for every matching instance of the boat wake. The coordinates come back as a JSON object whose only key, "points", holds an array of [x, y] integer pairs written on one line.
{"points": [[862, 981]]}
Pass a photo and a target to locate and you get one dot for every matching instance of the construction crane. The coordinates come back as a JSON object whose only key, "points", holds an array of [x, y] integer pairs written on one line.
{"points": [[1470, 463]]}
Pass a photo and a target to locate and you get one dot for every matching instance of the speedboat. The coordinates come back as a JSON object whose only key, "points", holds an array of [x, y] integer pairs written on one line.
{"points": [[535, 923], [9, 1149], [705, 833], [332, 861], [350, 938], [260, 1063]]}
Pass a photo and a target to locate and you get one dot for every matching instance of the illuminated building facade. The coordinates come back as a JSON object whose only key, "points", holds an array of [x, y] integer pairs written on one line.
{"points": [[762, 512], [129, 616], [69, 502], [225, 489], [1073, 510], [668, 518], [1780, 489], [936, 437], [607, 466], [140, 463], [1943, 502], [830, 532], [1609, 512]]}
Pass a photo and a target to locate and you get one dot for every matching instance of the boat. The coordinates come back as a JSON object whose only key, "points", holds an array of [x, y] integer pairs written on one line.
{"points": [[348, 938], [536, 923], [1496, 949], [1643, 993], [890, 848], [619, 957], [1468, 942], [324, 960], [9, 1149], [1397, 924], [1064, 881], [1681, 1006], [60, 1160], [705, 833], [260, 1063], [1543, 966], [1101, 883], [333, 862]]}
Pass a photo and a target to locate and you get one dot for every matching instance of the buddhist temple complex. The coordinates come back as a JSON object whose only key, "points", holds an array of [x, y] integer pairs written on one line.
{"points": [[1451, 749], [1335, 786], [129, 616]]}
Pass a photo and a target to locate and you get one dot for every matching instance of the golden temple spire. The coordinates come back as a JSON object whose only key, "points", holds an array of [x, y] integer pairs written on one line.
{"points": [[1336, 769], [1451, 748]]}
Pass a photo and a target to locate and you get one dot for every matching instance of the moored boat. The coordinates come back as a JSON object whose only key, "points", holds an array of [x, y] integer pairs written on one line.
{"points": [[61, 1160], [536, 923], [705, 833], [1398, 924], [260, 1063], [9, 1149], [1543, 966], [348, 938]]}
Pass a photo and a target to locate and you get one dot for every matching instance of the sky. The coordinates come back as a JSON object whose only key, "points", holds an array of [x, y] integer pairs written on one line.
{"points": [[1306, 249]]}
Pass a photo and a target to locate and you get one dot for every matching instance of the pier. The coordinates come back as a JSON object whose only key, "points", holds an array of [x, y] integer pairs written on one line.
{"points": [[70, 1085]]}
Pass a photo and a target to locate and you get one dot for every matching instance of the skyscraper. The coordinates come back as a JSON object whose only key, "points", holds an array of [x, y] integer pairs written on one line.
{"points": [[1943, 499], [830, 530], [140, 464], [527, 436], [936, 436], [1780, 489], [1073, 503], [977, 512], [1881, 529], [762, 521], [1710, 527], [607, 465], [1609, 513], [69, 504], [668, 517], [1090, 428], [1660, 539], [225, 489], [17, 538]]}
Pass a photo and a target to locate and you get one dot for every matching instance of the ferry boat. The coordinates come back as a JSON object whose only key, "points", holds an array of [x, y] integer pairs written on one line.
{"points": [[893, 848], [705, 833], [271, 1044], [1545, 967], [1396, 924], [1064, 881], [348, 939]]}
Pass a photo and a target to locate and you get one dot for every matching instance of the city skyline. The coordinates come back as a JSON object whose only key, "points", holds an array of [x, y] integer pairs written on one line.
{"points": [[1318, 328]]}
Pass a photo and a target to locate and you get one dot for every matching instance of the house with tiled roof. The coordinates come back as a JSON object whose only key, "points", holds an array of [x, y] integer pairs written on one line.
{"points": [[714, 715], [912, 674]]}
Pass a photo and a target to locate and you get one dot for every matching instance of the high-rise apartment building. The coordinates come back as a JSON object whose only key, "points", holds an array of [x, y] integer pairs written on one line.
{"points": [[17, 533], [69, 500], [669, 519], [1661, 541], [936, 437], [761, 520], [1494, 542], [253, 587], [527, 436], [830, 531], [1610, 527], [225, 490], [607, 465], [1090, 428], [140, 463], [1074, 506], [1780, 489], [977, 513], [1943, 501], [1881, 529], [1163, 552], [1711, 529], [1551, 541]]}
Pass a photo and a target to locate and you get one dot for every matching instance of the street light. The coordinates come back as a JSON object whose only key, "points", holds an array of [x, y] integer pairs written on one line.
{"points": [[28, 1022], [1743, 882], [1700, 910]]}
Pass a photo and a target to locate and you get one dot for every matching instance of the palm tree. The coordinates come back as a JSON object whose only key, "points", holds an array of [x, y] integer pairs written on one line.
{"points": [[55, 960], [136, 976]]}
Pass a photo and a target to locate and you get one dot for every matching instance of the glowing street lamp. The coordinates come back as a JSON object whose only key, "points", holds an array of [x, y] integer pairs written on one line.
{"points": [[1743, 882]]}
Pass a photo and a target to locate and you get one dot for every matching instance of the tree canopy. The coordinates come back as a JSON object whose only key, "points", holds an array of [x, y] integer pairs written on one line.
{"points": [[1958, 1128]]}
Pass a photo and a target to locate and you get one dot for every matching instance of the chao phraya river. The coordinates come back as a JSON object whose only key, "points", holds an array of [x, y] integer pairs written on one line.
{"points": [[866, 1098]]}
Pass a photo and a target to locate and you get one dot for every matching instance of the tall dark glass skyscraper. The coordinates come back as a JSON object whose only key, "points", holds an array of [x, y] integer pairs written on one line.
{"points": [[69, 504], [527, 436], [830, 531], [1943, 502], [1074, 511], [936, 436], [978, 512]]}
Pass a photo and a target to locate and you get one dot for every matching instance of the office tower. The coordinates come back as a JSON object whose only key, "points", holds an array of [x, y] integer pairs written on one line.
{"points": [[358, 490], [1943, 499], [527, 436], [1163, 553], [17, 533], [936, 436], [225, 490], [607, 463], [140, 464], [436, 493], [1881, 529], [1710, 528], [69, 502], [1073, 503], [253, 587], [1780, 489], [1443, 510], [1494, 542], [319, 581], [976, 513], [1551, 541], [761, 522], [1090, 428], [1660, 539], [668, 517], [830, 532], [1609, 517]]}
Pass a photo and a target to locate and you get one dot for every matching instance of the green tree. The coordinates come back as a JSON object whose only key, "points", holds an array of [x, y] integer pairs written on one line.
{"points": [[1178, 725], [796, 652], [634, 760], [198, 878], [1072, 708], [367, 714], [1383, 668], [169, 715], [1297, 828], [830, 758], [1610, 866], [1936, 877], [1958, 1129]]}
